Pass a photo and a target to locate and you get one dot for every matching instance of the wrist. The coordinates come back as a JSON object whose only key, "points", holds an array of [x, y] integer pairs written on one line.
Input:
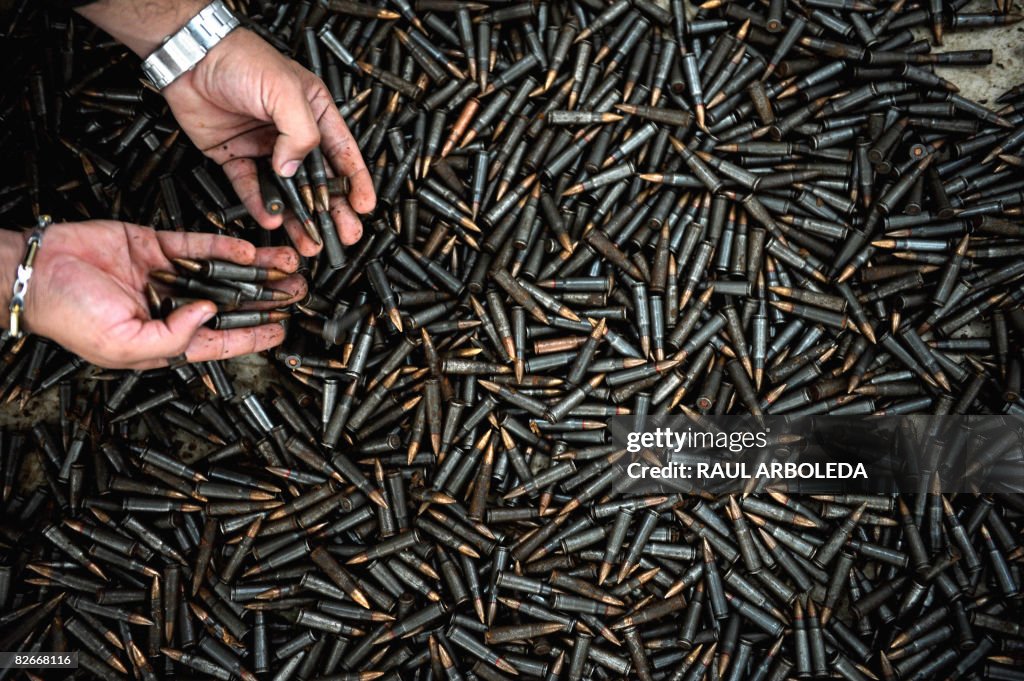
{"points": [[12, 251]]}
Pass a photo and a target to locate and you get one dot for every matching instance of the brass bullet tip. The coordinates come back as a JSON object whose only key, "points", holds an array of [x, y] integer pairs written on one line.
{"points": [[188, 264], [312, 231], [378, 498]]}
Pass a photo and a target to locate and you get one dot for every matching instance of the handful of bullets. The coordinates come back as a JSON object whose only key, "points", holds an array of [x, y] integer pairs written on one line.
{"points": [[227, 284], [586, 209]]}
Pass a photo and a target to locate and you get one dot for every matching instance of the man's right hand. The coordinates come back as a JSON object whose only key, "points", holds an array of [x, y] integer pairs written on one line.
{"points": [[244, 101]]}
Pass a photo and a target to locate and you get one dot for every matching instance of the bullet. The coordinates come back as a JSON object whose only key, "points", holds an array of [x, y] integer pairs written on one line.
{"points": [[241, 320]]}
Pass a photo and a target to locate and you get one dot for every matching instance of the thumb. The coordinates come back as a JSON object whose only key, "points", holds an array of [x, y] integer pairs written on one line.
{"points": [[297, 130], [168, 337]]}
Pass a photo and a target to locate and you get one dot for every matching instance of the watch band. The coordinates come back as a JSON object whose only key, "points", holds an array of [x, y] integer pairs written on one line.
{"points": [[182, 51]]}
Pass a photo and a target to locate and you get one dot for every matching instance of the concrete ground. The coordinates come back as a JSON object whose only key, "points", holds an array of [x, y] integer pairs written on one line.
{"points": [[1007, 68]]}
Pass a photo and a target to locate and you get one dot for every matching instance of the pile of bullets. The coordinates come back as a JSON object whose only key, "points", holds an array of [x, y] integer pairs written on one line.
{"points": [[585, 210], [329, 567]]}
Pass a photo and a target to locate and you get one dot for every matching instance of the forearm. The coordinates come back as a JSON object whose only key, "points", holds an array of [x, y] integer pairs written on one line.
{"points": [[141, 24]]}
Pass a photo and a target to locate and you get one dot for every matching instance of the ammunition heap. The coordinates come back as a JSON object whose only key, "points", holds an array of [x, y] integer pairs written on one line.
{"points": [[586, 209]]}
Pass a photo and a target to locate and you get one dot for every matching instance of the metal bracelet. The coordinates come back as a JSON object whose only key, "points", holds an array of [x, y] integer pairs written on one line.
{"points": [[24, 274], [181, 52]]}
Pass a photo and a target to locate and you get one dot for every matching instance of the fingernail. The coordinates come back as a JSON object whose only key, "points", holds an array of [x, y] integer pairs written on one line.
{"points": [[290, 168]]}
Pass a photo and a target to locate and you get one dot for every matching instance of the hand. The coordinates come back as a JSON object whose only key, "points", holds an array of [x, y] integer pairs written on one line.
{"points": [[245, 100], [86, 293]]}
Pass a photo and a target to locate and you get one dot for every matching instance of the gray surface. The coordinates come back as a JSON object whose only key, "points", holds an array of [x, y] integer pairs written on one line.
{"points": [[1007, 68]]}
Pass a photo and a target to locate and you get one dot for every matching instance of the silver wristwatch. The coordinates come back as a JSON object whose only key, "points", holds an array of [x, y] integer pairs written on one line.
{"points": [[186, 48]]}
